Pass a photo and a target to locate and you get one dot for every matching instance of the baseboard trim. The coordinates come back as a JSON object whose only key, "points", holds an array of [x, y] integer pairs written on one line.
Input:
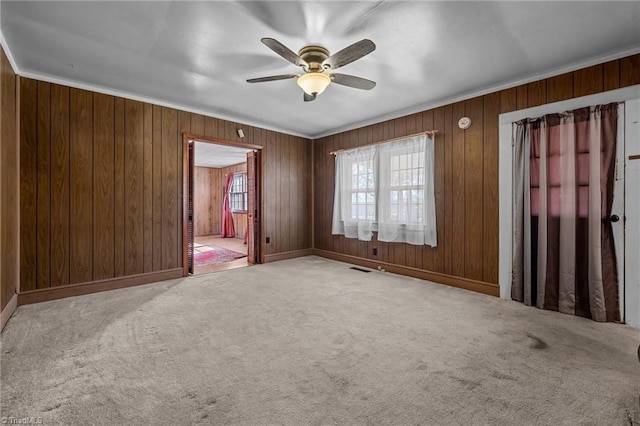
{"points": [[53, 293], [287, 255], [465, 283], [8, 310]]}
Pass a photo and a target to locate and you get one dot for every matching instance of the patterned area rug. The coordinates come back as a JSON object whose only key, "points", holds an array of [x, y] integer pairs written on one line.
{"points": [[207, 255]]}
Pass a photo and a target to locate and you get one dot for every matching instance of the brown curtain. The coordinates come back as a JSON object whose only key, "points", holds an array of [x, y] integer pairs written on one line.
{"points": [[564, 171]]}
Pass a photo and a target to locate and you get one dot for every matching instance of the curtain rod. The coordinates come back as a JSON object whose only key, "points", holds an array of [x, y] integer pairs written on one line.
{"points": [[428, 132]]}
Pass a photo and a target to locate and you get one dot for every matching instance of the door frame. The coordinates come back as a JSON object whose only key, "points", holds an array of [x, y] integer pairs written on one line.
{"points": [[505, 172], [186, 137]]}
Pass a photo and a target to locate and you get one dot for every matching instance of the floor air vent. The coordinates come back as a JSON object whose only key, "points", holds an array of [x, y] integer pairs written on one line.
{"points": [[359, 269]]}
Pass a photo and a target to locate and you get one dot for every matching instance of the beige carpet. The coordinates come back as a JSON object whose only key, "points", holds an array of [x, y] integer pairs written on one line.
{"points": [[310, 342]]}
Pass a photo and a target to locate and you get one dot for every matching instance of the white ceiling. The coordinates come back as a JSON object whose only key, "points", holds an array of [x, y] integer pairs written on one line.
{"points": [[197, 55], [218, 156]]}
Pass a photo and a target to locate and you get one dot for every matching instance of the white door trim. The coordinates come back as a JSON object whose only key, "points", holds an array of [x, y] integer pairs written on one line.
{"points": [[632, 214], [505, 167]]}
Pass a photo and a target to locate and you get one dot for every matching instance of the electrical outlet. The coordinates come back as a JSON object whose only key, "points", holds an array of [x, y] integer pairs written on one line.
{"points": [[268, 240], [375, 251]]}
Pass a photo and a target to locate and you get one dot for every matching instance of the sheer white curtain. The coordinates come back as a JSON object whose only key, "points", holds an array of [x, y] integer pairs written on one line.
{"points": [[406, 207], [388, 188], [354, 202]]}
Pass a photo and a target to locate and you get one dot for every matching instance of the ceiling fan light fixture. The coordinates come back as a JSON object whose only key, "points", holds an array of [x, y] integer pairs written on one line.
{"points": [[314, 83]]}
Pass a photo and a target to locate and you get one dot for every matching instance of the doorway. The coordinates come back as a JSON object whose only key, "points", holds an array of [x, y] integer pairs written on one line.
{"points": [[624, 231], [221, 205]]}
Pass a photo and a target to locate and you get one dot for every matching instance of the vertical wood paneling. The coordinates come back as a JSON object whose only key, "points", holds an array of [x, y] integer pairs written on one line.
{"points": [[43, 184], [537, 93], [169, 186], [448, 188], [202, 209], [439, 173], [197, 124], [211, 127], [119, 188], [522, 97], [103, 194], [157, 187], [81, 186], [611, 79], [271, 153], [147, 184], [457, 187], [491, 185], [59, 184], [473, 187], [508, 100], [28, 183], [9, 178], [134, 187], [559, 88], [101, 185], [630, 70], [588, 81]]}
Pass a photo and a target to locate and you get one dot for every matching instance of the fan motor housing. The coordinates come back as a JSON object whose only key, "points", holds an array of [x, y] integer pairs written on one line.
{"points": [[314, 56]]}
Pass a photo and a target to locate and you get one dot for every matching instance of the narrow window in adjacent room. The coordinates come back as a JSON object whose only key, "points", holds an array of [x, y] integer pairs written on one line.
{"points": [[238, 193]]}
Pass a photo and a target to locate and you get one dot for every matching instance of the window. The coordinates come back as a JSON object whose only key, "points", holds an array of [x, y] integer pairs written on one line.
{"points": [[388, 189], [363, 196], [405, 194], [238, 193]]}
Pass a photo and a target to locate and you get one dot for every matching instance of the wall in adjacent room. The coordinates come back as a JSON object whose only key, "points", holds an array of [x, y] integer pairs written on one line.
{"points": [[466, 177], [101, 185], [9, 182], [207, 201]]}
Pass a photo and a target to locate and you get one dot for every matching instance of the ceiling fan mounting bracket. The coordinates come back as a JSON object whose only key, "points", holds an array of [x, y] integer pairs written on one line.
{"points": [[314, 56]]}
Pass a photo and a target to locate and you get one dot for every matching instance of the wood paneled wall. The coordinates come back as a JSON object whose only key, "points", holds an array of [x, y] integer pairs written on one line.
{"points": [[8, 183], [466, 172], [101, 185], [207, 201], [239, 219]]}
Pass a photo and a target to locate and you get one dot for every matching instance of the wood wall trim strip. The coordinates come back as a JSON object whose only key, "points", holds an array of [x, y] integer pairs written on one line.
{"points": [[43, 295], [8, 310], [222, 141], [453, 281], [287, 255]]}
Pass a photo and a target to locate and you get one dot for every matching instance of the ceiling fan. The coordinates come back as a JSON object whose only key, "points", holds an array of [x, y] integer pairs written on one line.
{"points": [[316, 64]]}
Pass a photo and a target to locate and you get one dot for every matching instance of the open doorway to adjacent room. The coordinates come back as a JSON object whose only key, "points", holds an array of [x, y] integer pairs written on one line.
{"points": [[222, 203]]}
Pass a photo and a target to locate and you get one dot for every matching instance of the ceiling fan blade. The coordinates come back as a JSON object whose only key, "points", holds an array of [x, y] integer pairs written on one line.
{"points": [[272, 78], [284, 51], [350, 54], [353, 81], [308, 97]]}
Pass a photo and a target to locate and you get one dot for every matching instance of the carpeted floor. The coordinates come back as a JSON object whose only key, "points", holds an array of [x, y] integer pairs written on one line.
{"points": [[310, 342]]}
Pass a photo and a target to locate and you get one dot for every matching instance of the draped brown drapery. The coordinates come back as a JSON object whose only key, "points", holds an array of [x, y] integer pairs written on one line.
{"points": [[564, 172]]}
